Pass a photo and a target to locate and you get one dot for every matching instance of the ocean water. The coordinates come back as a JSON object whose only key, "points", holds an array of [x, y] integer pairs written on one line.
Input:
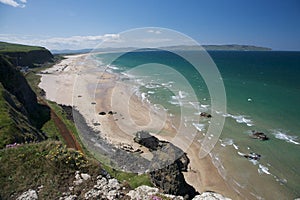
{"points": [[263, 94]]}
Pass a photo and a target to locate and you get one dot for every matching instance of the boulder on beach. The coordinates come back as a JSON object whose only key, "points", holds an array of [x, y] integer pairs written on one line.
{"points": [[112, 113], [102, 113]]}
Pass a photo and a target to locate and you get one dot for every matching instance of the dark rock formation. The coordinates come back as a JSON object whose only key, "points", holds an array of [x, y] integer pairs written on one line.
{"points": [[147, 140], [259, 135], [111, 112], [252, 156], [167, 165], [204, 114], [68, 112]]}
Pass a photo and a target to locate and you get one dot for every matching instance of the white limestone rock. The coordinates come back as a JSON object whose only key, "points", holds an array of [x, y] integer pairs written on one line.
{"points": [[28, 195], [210, 196], [85, 176]]}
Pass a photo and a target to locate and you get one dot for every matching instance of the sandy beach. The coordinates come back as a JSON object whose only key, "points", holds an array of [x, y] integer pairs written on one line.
{"points": [[76, 81]]}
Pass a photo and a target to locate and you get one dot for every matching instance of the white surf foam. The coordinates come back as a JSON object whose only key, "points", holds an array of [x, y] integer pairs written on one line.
{"points": [[178, 103], [282, 135], [240, 119], [199, 127], [144, 96], [182, 94], [152, 86], [168, 85], [263, 169], [235, 146], [226, 142], [113, 67], [195, 105]]}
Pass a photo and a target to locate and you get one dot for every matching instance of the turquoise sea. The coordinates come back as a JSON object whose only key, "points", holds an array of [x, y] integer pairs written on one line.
{"points": [[263, 94]]}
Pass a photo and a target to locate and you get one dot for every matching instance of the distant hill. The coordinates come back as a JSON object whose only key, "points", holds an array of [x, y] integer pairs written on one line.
{"points": [[229, 47], [11, 47], [235, 47], [24, 55]]}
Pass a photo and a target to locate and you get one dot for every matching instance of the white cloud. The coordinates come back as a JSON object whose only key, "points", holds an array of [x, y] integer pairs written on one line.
{"points": [[154, 31], [14, 3], [60, 43]]}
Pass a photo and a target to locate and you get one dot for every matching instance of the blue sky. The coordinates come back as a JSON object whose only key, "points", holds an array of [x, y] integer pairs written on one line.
{"points": [[51, 23]]}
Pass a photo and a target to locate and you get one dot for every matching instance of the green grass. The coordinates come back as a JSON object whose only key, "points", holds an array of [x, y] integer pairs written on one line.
{"points": [[10, 47], [14, 126], [52, 131], [134, 180], [49, 164]]}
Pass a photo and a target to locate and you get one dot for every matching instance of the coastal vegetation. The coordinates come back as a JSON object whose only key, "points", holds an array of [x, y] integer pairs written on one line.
{"points": [[10, 47]]}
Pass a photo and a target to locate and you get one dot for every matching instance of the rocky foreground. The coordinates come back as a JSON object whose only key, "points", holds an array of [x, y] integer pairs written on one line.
{"points": [[106, 187]]}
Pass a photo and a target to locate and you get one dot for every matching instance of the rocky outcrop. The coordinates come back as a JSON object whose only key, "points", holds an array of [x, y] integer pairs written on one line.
{"points": [[204, 114], [108, 188], [68, 110], [147, 140], [167, 165], [259, 135]]}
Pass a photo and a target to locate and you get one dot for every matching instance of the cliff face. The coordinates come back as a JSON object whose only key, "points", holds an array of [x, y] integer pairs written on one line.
{"points": [[24, 55], [21, 116], [13, 81], [30, 58]]}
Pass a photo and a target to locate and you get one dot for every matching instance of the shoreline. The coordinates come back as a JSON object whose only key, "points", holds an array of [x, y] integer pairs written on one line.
{"points": [[58, 82]]}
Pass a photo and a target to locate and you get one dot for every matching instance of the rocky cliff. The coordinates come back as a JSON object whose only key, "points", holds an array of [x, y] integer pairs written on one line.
{"points": [[21, 115], [24, 55], [30, 58]]}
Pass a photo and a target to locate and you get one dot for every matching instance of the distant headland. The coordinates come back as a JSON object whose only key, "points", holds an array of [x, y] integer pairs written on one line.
{"points": [[227, 47]]}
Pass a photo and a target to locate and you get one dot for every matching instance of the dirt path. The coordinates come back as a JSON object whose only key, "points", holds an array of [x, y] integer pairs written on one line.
{"points": [[67, 135]]}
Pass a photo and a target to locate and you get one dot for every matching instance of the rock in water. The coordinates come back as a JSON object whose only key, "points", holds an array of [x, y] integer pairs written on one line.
{"points": [[259, 135]]}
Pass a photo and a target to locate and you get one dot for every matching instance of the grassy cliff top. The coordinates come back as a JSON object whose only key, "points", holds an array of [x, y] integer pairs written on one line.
{"points": [[10, 47]]}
